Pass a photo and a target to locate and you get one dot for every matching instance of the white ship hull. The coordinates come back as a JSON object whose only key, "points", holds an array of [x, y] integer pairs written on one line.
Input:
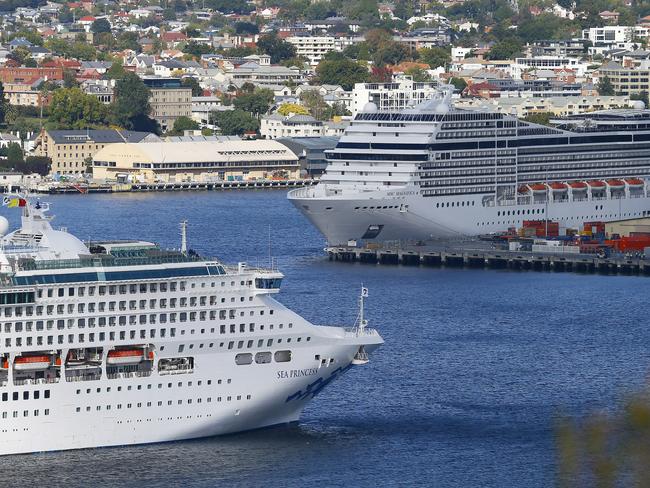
{"points": [[83, 414], [409, 216]]}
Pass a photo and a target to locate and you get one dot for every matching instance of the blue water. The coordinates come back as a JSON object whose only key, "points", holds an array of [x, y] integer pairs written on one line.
{"points": [[477, 364]]}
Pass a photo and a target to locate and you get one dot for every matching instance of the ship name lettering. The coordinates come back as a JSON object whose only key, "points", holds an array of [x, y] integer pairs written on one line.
{"points": [[296, 373]]}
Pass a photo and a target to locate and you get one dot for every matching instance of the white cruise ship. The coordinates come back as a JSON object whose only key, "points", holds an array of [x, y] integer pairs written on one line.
{"points": [[120, 343], [433, 171]]}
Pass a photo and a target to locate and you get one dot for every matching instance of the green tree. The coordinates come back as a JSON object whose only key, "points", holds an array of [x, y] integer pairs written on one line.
{"points": [[196, 49], [128, 40], [418, 74], [100, 25], [116, 71], [182, 124], [4, 105], [131, 106], [235, 122], [605, 86], [459, 83], [506, 49], [344, 72], [315, 103], [435, 56], [246, 28], [542, 118], [275, 47], [257, 103], [192, 83], [14, 154], [35, 164], [390, 53], [71, 108]]}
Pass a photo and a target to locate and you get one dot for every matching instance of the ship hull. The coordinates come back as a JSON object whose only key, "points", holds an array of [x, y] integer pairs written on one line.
{"points": [[407, 216], [218, 397]]}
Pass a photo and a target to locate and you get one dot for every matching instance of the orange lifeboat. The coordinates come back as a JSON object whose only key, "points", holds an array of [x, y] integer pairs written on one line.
{"points": [[578, 185], [5, 364], [558, 187], [31, 363], [597, 185], [126, 356], [616, 184], [634, 182], [538, 188], [524, 189]]}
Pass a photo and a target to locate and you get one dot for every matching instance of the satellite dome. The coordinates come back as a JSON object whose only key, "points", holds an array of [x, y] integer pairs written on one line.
{"points": [[638, 104], [369, 107], [4, 225]]}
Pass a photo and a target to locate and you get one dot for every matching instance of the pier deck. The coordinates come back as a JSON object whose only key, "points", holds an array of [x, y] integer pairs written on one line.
{"points": [[490, 258]]}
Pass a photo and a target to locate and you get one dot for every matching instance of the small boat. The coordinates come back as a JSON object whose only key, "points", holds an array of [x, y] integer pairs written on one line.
{"points": [[596, 184], [634, 182], [558, 187], [616, 184], [32, 363], [538, 188], [578, 186], [127, 356]]}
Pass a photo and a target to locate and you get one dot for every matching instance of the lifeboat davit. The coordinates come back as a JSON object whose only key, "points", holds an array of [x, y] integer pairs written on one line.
{"points": [[578, 186], [634, 182], [616, 184], [558, 187], [538, 188], [524, 189], [127, 356], [31, 363]]}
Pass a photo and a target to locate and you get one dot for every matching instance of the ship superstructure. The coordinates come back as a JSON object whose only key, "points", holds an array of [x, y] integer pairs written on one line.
{"points": [[122, 342], [434, 171]]}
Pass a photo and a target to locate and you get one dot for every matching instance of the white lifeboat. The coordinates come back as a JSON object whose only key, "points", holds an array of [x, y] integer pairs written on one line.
{"points": [[126, 356], [32, 363]]}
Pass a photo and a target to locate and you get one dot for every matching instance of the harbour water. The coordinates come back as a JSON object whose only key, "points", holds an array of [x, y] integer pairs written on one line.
{"points": [[476, 367]]}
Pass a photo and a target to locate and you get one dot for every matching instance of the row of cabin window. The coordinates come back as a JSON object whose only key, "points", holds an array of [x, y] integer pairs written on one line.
{"points": [[29, 310], [150, 385], [131, 289], [16, 395], [160, 403], [25, 413], [249, 343], [121, 320], [81, 338]]}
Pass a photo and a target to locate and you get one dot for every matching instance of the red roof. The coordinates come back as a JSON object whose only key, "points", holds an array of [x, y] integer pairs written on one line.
{"points": [[87, 18], [172, 36]]}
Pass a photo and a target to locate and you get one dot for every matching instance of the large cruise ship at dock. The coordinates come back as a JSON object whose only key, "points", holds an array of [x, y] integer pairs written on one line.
{"points": [[433, 171], [117, 343]]}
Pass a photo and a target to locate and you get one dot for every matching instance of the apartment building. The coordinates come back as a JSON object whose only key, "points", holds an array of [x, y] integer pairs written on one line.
{"points": [[626, 81], [397, 95], [315, 47], [169, 100]]}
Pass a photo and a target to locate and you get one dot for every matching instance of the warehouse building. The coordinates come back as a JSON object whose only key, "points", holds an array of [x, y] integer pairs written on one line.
{"points": [[200, 161]]}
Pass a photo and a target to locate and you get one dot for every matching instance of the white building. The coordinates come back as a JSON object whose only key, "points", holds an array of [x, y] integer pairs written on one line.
{"points": [[397, 95], [315, 47], [522, 65], [613, 36]]}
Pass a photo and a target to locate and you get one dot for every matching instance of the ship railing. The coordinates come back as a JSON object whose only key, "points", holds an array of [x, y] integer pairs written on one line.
{"points": [[356, 332], [132, 374], [71, 379]]}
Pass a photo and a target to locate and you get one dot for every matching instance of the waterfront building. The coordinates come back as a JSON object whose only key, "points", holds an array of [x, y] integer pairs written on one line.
{"points": [[169, 100], [195, 161], [71, 151]]}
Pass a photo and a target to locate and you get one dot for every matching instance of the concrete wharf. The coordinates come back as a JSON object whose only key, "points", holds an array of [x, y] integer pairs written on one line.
{"points": [[489, 258], [71, 188]]}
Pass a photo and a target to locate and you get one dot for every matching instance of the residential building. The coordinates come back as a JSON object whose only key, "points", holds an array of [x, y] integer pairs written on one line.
{"points": [[102, 89], [24, 94], [22, 74], [195, 161], [558, 106], [169, 100], [264, 75], [71, 150], [397, 95], [559, 48], [626, 81], [276, 125], [315, 47]]}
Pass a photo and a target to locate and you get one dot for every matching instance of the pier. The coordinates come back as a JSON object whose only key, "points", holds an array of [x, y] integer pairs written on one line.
{"points": [[83, 188], [492, 259]]}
